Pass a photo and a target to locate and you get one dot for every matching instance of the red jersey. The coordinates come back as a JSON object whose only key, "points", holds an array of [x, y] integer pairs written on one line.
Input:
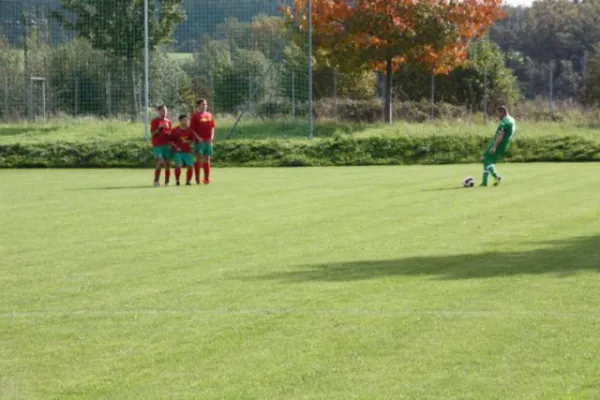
{"points": [[163, 137], [182, 138], [202, 124]]}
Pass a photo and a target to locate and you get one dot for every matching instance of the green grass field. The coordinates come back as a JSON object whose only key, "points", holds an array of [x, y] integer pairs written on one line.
{"points": [[341, 283], [86, 129]]}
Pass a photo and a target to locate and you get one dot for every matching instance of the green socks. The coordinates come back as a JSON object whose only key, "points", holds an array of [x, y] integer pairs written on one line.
{"points": [[487, 170]]}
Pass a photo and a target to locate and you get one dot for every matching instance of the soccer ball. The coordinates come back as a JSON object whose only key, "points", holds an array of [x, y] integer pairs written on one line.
{"points": [[468, 182]]}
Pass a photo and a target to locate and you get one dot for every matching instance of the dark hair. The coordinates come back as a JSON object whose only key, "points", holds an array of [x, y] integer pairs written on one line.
{"points": [[182, 116], [160, 107], [503, 109], [200, 101]]}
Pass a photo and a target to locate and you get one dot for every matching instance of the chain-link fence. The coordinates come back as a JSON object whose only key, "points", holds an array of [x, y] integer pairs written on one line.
{"points": [[85, 57], [240, 55], [47, 70]]}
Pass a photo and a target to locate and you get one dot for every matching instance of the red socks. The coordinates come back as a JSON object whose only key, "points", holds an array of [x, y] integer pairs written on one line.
{"points": [[167, 174], [206, 167], [197, 171], [189, 173], [157, 174]]}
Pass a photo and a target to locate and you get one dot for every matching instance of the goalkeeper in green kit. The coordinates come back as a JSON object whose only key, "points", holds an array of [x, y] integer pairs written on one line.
{"points": [[498, 147]]}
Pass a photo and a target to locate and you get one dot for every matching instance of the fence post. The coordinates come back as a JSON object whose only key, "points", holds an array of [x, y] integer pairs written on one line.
{"points": [[76, 94], [26, 66], [44, 99], [485, 95], [551, 87], [140, 96], [212, 91], [5, 111], [108, 95], [293, 94], [310, 75], [432, 100], [249, 92], [335, 102]]}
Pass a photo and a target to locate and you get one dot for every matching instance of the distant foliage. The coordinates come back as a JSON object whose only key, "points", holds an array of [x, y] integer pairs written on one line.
{"points": [[117, 27], [561, 32], [465, 84], [92, 59]]}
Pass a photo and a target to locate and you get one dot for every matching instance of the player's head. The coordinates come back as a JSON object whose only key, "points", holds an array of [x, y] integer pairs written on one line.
{"points": [[183, 120], [162, 110], [201, 104], [502, 111]]}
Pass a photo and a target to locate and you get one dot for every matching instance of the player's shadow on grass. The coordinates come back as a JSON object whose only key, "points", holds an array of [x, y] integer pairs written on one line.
{"points": [[561, 258]]}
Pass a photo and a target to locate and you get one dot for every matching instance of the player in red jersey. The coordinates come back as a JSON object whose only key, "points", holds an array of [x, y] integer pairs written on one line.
{"points": [[203, 126], [182, 140], [161, 136]]}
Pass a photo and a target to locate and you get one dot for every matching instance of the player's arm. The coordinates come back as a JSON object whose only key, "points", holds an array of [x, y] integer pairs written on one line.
{"points": [[212, 129], [194, 128], [174, 140], [497, 142], [198, 138], [169, 128], [155, 128]]}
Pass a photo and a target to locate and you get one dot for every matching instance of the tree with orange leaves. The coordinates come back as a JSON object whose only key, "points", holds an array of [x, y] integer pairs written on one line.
{"points": [[383, 34]]}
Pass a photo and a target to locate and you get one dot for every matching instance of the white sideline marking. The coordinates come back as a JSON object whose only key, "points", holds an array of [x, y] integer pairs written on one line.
{"points": [[267, 312]]}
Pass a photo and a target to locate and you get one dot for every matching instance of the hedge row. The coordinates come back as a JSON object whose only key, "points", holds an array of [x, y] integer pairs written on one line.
{"points": [[443, 149]]}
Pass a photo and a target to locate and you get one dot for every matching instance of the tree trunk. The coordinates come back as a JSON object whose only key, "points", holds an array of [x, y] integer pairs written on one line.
{"points": [[131, 88], [387, 106]]}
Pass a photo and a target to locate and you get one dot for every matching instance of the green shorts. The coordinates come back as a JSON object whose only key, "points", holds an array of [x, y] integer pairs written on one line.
{"points": [[186, 159], [162, 152], [204, 149], [488, 158]]}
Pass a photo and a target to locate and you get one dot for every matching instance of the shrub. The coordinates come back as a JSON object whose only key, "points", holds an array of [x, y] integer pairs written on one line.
{"points": [[338, 150]]}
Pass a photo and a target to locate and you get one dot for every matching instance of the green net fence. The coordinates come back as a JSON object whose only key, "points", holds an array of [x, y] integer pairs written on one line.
{"points": [[75, 58]]}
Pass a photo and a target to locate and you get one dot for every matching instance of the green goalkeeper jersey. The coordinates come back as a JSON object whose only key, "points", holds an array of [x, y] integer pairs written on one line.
{"points": [[508, 125]]}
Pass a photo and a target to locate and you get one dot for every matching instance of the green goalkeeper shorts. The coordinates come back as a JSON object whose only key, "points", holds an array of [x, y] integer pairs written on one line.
{"points": [[186, 159], [204, 149], [162, 152]]}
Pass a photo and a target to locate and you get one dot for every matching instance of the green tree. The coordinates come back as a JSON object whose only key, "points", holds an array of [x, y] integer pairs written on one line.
{"points": [[465, 84], [568, 81], [12, 77], [236, 33], [117, 26], [591, 91], [235, 80], [355, 85], [211, 57], [169, 83], [547, 34], [77, 63], [558, 31], [267, 34]]}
